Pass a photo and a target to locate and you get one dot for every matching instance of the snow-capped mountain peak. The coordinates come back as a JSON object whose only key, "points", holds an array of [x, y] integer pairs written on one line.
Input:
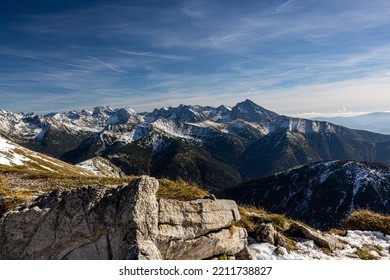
{"points": [[182, 113], [101, 111], [244, 142], [122, 116]]}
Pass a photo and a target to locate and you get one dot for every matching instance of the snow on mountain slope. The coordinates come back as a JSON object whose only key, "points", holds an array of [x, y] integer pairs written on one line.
{"points": [[191, 113], [27, 126], [173, 129], [224, 119], [13, 155], [100, 117], [7, 154], [243, 137], [101, 167]]}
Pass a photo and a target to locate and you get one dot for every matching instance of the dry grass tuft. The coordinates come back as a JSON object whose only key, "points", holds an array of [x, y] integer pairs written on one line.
{"points": [[368, 220], [364, 254], [252, 217], [10, 198], [179, 190], [337, 231], [18, 186]]}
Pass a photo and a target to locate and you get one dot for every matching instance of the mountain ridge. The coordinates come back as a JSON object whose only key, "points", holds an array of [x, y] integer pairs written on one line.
{"points": [[202, 144]]}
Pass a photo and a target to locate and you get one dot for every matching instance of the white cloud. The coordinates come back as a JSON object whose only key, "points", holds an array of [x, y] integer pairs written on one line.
{"points": [[358, 95], [155, 55]]}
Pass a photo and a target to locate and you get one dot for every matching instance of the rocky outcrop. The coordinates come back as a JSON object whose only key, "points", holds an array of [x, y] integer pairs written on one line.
{"points": [[267, 233], [123, 222]]}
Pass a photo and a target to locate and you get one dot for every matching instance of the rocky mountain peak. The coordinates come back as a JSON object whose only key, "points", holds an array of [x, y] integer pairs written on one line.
{"points": [[239, 143], [250, 111], [182, 113], [121, 116], [101, 110]]}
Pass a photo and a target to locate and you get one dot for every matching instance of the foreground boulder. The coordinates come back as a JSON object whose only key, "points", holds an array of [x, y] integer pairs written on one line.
{"points": [[299, 230], [199, 228], [267, 233], [124, 222]]}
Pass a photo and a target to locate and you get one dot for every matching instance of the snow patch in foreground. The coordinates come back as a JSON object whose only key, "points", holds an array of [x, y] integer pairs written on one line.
{"points": [[306, 250]]}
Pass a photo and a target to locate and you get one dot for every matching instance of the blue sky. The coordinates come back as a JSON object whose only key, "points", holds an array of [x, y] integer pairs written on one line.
{"points": [[295, 57]]}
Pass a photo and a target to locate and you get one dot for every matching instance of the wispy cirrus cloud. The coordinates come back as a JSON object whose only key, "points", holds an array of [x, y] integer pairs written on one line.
{"points": [[284, 7], [155, 55]]}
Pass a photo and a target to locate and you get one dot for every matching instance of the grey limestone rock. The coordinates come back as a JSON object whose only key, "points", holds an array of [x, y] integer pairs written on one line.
{"points": [[225, 241], [190, 219], [299, 230], [83, 223], [199, 229], [267, 233]]}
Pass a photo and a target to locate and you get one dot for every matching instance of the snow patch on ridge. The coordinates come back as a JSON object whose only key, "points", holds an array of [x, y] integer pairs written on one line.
{"points": [[174, 129], [8, 156], [89, 166]]}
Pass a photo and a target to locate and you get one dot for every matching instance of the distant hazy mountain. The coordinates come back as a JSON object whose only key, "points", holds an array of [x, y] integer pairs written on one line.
{"points": [[214, 147], [376, 122], [320, 194]]}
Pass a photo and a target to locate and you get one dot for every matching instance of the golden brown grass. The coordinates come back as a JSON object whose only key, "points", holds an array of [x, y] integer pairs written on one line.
{"points": [[368, 220], [33, 181], [23, 183], [41, 162], [337, 231], [247, 221], [252, 217], [10, 198], [179, 190], [364, 254]]}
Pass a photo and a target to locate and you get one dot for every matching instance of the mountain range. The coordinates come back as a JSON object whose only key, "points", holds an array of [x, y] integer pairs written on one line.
{"points": [[215, 147]]}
